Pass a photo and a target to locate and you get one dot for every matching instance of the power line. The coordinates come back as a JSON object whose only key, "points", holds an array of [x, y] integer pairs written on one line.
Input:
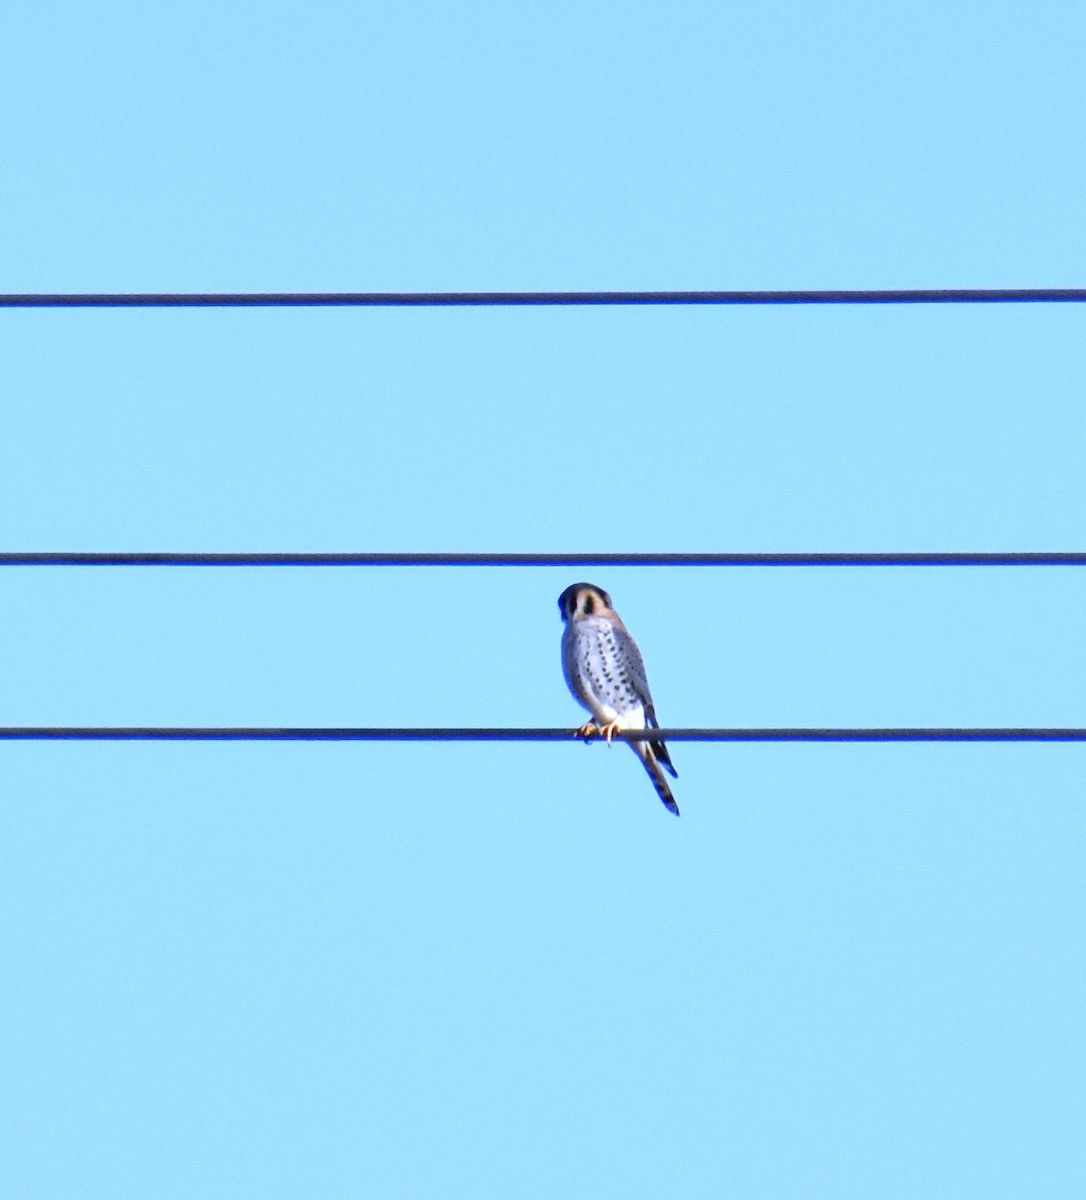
{"points": [[540, 299], [267, 734], [577, 559]]}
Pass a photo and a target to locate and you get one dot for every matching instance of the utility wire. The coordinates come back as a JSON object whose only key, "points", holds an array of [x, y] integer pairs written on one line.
{"points": [[505, 299], [263, 734], [583, 559]]}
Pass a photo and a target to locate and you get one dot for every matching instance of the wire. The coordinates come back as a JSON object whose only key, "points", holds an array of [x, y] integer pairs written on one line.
{"points": [[586, 559], [504, 299], [265, 734]]}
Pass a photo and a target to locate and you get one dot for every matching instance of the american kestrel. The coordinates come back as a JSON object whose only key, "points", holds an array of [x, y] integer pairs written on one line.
{"points": [[603, 669]]}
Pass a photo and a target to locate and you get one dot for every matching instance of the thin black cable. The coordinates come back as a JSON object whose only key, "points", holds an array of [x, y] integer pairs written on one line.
{"points": [[264, 734], [505, 299], [997, 558]]}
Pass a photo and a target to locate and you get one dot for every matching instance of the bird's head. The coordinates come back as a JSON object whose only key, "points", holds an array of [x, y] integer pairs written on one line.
{"points": [[582, 600]]}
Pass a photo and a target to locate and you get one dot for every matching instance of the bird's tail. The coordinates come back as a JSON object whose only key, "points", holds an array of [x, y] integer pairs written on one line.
{"points": [[662, 756], [649, 754]]}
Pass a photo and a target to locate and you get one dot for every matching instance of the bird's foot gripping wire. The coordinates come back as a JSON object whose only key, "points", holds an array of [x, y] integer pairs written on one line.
{"points": [[590, 729], [610, 729]]}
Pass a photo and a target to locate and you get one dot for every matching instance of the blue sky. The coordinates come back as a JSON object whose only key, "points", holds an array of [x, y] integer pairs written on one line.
{"points": [[339, 970]]}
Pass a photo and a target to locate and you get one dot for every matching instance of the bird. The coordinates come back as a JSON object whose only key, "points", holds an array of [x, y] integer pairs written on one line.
{"points": [[605, 673]]}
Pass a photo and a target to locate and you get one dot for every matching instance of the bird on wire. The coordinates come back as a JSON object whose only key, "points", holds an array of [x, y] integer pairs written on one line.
{"points": [[605, 672]]}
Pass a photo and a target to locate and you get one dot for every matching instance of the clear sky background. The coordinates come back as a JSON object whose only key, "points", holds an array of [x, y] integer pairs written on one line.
{"points": [[474, 971]]}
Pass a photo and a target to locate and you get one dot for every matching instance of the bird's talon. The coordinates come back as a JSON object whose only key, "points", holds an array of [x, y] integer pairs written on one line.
{"points": [[610, 729], [588, 730]]}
